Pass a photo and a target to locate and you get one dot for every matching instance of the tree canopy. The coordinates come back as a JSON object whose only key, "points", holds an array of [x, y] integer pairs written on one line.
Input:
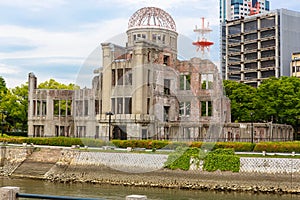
{"points": [[52, 84], [14, 103], [276, 99]]}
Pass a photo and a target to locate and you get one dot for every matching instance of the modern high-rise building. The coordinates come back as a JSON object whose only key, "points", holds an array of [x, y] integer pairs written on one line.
{"points": [[236, 9], [261, 46], [295, 64]]}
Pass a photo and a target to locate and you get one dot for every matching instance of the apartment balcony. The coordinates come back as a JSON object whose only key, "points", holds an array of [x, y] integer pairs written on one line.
{"points": [[268, 58], [247, 70], [234, 44], [250, 41], [234, 63], [267, 48], [267, 68], [247, 51], [234, 53], [267, 38], [267, 28], [234, 72]]}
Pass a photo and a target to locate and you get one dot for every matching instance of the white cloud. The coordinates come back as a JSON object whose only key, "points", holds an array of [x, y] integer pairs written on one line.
{"points": [[33, 5], [7, 69]]}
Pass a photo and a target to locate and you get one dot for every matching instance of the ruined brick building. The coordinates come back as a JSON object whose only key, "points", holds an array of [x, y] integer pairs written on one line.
{"points": [[142, 91]]}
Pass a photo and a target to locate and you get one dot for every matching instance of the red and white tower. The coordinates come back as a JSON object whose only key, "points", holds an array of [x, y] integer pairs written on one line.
{"points": [[202, 43]]}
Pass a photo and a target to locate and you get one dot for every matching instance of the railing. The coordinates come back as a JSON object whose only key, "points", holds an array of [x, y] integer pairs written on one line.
{"points": [[40, 196], [12, 193]]}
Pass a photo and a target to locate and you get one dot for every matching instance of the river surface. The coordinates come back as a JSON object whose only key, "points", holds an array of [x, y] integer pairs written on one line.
{"points": [[112, 192]]}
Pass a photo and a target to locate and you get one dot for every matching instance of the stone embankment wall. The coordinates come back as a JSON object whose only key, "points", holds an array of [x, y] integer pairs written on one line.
{"points": [[12, 157], [274, 175], [137, 162]]}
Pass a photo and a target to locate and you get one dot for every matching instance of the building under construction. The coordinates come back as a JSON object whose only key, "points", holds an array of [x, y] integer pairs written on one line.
{"points": [[260, 46]]}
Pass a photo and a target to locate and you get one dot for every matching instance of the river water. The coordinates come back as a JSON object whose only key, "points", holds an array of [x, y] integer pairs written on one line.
{"points": [[113, 192]]}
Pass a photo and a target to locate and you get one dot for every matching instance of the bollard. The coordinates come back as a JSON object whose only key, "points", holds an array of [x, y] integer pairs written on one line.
{"points": [[136, 197], [9, 193]]}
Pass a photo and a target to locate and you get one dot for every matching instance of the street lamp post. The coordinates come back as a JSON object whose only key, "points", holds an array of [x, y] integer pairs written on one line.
{"points": [[252, 129], [109, 122]]}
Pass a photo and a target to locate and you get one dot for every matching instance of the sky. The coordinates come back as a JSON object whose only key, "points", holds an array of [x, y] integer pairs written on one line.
{"points": [[61, 39]]}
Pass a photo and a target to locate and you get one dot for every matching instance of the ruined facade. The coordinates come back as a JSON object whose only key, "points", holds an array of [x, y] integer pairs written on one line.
{"points": [[142, 91]]}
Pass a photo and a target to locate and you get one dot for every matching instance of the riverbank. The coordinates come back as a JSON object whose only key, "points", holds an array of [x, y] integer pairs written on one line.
{"points": [[191, 180], [146, 170]]}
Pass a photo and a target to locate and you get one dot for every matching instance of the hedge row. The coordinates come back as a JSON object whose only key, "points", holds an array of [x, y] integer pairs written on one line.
{"points": [[219, 159], [159, 144], [284, 147]]}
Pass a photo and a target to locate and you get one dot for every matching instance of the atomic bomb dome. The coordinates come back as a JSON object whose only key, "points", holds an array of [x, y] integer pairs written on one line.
{"points": [[151, 17], [153, 25]]}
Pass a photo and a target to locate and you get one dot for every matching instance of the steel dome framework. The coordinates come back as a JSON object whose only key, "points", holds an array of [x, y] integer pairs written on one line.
{"points": [[151, 17]]}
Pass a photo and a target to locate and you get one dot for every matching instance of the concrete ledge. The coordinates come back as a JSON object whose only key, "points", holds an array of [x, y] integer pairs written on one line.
{"points": [[9, 193]]}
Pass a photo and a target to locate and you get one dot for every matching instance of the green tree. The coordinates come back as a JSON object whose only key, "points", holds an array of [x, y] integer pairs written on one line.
{"points": [[243, 100], [279, 100], [52, 84], [3, 94]]}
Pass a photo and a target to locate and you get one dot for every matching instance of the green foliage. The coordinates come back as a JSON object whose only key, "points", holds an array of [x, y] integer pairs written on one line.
{"points": [[276, 99], [222, 159], [54, 141], [279, 100], [148, 144], [283, 147], [22, 134], [52, 84], [180, 158], [243, 99], [237, 146]]}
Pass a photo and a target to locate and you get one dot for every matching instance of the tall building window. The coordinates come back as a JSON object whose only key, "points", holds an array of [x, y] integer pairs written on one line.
{"points": [[86, 107], [166, 113], [121, 105], [56, 107], [128, 106], [128, 76], [185, 82], [167, 85], [207, 81], [206, 108], [78, 107], [120, 76], [113, 77], [184, 109]]}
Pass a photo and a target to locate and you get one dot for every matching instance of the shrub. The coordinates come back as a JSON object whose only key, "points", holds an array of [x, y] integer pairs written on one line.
{"points": [[222, 159], [283, 147], [237, 146], [180, 158], [148, 144]]}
